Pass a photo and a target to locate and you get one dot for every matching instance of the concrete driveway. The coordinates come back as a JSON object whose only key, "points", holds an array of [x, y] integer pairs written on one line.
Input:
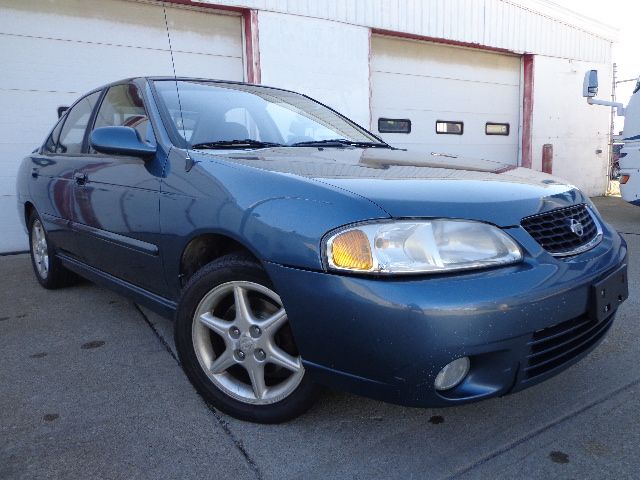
{"points": [[90, 388]]}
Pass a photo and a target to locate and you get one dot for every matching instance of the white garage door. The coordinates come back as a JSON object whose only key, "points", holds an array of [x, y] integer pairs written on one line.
{"points": [[53, 51], [459, 101]]}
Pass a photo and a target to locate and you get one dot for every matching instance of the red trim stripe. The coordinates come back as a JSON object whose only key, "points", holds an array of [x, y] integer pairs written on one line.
{"points": [[252, 46]]}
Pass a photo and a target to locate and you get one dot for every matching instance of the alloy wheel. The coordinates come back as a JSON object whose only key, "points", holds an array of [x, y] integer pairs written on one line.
{"points": [[39, 249], [243, 343]]}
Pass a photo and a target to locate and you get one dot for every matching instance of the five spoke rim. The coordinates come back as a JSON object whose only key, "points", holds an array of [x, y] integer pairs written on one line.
{"points": [[39, 249], [250, 341]]}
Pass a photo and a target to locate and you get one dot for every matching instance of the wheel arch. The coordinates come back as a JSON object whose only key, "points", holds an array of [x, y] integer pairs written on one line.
{"points": [[204, 247], [29, 208]]}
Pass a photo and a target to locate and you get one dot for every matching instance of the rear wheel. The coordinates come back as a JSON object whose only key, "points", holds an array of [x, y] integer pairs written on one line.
{"points": [[236, 346], [48, 270]]}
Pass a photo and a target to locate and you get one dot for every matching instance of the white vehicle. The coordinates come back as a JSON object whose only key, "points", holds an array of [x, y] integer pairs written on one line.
{"points": [[629, 159]]}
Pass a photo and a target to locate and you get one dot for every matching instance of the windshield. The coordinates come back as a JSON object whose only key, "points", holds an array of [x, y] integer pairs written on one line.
{"points": [[211, 113]]}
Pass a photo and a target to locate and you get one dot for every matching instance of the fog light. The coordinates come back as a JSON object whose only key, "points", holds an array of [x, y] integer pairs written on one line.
{"points": [[452, 374]]}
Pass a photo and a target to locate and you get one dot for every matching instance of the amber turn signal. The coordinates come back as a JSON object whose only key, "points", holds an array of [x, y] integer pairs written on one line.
{"points": [[624, 179], [351, 250]]}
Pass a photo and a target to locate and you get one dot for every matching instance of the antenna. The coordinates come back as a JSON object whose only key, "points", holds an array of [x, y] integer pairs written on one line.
{"points": [[173, 66]]}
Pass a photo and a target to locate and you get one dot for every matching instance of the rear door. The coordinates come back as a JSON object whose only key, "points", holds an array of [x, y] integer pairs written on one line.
{"points": [[54, 170], [118, 198]]}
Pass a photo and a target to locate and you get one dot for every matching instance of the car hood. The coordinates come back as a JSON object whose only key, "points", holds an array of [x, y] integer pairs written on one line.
{"points": [[418, 184]]}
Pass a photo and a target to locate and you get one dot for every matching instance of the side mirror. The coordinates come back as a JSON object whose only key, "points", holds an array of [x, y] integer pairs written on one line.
{"points": [[120, 141], [590, 86]]}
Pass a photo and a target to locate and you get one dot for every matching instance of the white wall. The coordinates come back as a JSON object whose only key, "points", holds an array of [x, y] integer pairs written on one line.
{"points": [[326, 60], [562, 117], [521, 26]]}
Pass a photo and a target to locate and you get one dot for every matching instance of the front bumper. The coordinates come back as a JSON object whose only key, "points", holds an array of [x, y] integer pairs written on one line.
{"points": [[387, 338]]}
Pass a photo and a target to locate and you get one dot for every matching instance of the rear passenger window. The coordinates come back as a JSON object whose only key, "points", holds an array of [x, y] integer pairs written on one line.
{"points": [[123, 107], [75, 125]]}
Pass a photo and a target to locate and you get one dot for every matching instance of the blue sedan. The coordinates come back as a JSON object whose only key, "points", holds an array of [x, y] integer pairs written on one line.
{"points": [[295, 249]]}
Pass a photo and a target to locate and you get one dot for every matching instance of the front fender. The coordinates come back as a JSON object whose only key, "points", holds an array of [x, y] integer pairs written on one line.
{"points": [[281, 218]]}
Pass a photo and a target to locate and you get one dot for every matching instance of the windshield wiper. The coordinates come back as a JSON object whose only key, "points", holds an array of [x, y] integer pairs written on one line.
{"points": [[246, 143], [340, 142], [250, 143]]}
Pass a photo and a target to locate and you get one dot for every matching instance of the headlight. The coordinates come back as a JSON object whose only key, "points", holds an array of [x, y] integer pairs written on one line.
{"points": [[429, 246]]}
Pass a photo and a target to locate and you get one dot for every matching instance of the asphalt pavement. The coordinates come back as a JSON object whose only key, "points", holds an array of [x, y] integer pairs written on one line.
{"points": [[90, 388]]}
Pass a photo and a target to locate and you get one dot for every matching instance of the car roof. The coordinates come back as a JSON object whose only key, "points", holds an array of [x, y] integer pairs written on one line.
{"points": [[185, 79]]}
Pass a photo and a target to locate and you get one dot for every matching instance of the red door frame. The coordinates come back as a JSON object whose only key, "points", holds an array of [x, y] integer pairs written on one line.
{"points": [[527, 109], [527, 80], [250, 28]]}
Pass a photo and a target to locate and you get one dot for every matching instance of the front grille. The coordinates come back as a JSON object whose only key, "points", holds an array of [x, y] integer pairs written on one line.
{"points": [[553, 230], [554, 346]]}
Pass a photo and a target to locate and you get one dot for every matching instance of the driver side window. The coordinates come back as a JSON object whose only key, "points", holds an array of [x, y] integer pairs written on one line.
{"points": [[75, 125], [123, 107]]}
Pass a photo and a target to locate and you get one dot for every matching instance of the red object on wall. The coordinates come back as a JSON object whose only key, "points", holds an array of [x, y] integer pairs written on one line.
{"points": [[527, 109], [252, 47], [547, 158]]}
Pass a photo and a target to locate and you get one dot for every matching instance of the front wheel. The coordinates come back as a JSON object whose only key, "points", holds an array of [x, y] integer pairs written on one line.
{"points": [[615, 171], [236, 346]]}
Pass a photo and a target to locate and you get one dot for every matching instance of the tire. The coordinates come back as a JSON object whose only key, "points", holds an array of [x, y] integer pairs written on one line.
{"points": [[615, 171], [47, 267], [235, 343]]}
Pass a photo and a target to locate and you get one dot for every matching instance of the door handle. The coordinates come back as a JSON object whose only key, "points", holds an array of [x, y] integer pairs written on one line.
{"points": [[80, 178]]}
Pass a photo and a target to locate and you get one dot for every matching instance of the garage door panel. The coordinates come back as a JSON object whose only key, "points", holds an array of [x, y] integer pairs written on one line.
{"points": [[8, 185], [501, 154], [219, 35], [423, 125], [28, 116], [96, 21], [14, 238], [431, 60], [473, 142], [426, 83], [208, 66], [435, 94], [54, 51], [423, 129], [124, 23], [59, 66]]}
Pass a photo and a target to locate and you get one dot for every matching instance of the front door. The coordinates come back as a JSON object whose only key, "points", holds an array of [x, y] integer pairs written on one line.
{"points": [[117, 199]]}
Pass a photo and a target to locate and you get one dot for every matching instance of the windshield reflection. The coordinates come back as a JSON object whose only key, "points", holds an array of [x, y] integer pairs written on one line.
{"points": [[208, 114]]}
